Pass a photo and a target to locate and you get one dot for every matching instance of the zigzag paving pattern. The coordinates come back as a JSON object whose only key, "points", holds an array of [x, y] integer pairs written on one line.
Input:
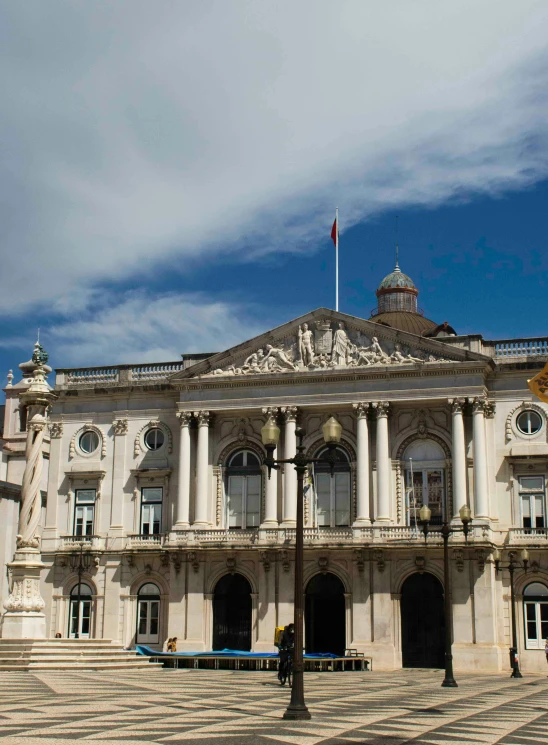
{"points": [[243, 708]]}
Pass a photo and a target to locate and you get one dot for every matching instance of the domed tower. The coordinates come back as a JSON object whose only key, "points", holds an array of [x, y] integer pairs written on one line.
{"points": [[397, 297]]}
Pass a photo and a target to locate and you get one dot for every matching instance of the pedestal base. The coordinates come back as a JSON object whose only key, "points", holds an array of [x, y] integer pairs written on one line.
{"points": [[23, 625]]}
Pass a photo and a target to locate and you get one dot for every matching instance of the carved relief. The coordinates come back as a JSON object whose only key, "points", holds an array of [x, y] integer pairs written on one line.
{"points": [[120, 426], [25, 595], [55, 430], [330, 345]]}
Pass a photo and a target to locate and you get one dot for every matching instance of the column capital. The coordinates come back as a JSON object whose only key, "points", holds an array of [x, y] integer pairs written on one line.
{"points": [[456, 404], [289, 413], [271, 412], [381, 408], [484, 405], [120, 426], [203, 418], [362, 409], [184, 418]]}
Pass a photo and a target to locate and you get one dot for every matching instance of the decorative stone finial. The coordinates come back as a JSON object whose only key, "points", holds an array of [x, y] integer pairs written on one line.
{"points": [[10, 379]]}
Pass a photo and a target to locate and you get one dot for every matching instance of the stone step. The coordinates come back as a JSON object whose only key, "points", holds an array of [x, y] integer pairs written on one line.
{"points": [[150, 666], [69, 653]]}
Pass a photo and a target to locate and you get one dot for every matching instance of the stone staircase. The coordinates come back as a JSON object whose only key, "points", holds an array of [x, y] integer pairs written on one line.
{"points": [[65, 654]]}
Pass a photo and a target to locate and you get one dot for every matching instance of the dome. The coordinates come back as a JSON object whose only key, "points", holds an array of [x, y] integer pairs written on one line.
{"points": [[397, 280], [413, 323]]}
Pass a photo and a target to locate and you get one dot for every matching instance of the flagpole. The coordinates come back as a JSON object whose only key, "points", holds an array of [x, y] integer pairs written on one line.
{"points": [[337, 259]]}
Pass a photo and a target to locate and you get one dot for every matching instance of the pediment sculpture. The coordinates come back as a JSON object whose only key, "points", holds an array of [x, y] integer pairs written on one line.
{"points": [[329, 346]]}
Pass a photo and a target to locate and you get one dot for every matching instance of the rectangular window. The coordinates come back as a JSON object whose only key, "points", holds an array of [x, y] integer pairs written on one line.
{"points": [[532, 502], [84, 512], [427, 487], [332, 499], [536, 624], [244, 501], [151, 510]]}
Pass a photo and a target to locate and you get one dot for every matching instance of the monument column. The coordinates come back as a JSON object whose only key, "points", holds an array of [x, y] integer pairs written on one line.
{"points": [[202, 468], [290, 474], [183, 489], [383, 463], [270, 519], [481, 501], [362, 471], [24, 618], [459, 456]]}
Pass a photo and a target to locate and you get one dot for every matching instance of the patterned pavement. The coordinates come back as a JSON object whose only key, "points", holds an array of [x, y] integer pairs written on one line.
{"points": [[245, 708]]}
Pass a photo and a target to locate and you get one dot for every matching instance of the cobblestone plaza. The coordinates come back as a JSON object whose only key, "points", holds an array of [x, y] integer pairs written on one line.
{"points": [[199, 706]]}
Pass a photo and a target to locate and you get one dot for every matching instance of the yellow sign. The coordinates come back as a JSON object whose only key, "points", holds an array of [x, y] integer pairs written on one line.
{"points": [[539, 384]]}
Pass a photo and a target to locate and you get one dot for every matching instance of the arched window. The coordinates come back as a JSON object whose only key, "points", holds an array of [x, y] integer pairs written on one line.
{"points": [[425, 480], [333, 491], [535, 611], [148, 614], [80, 612], [243, 490]]}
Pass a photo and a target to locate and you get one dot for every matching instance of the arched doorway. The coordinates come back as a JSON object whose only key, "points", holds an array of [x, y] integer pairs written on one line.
{"points": [[422, 622], [325, 611], [232, 613], [80, 612], [148, 614]]}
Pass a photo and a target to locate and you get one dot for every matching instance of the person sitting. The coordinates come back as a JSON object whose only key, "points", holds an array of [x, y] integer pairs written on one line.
{"points": [[166, 644], [172, 645]]}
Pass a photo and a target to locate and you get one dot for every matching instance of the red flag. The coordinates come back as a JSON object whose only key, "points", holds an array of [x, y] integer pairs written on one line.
{"points": [[334, 232]]}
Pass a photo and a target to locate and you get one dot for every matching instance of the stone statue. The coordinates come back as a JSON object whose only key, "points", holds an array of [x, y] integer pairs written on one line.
{"points": [[306, 345], [253, 362], [341, 346], [276, 357], [378, 354]]}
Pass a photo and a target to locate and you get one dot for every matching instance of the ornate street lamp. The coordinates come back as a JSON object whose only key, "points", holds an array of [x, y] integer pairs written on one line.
{"points": [[512, 565], [79, 562], [465, 516], [270, 434]]}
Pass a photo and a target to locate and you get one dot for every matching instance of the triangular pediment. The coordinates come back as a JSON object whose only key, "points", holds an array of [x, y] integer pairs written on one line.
{"points": [[325, 340]]}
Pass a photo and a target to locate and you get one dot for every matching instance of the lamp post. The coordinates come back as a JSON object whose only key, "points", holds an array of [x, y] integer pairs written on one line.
{"points": [[79, 562], [270, 434], [512, 565], [465, 515]]}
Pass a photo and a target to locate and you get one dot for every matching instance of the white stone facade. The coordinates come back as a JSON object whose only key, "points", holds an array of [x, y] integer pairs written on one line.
{"points": [[168, 515]]}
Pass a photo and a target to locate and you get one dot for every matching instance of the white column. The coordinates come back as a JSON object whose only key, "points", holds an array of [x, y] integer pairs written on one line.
{"points": [[270, 519], [202, 470], [383, 463], [183, 490], [290, 474], [459, 456], [362, 472], [481, 501]]}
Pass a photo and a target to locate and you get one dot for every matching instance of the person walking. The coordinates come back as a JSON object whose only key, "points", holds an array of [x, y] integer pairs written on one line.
{"points": [[286, 647], [546, 648]]}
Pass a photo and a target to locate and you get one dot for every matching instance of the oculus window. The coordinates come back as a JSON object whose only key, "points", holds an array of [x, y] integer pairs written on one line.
{"points": [[154, 438], [89, 442], [529, 422]]}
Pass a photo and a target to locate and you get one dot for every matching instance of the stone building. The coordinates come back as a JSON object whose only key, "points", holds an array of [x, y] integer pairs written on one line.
{"points": [[157, 470]]}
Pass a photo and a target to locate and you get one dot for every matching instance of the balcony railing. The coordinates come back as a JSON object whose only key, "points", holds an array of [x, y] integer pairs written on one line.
{"points": [[528, 535], [140, 540], [72, 542], [507, 348]]}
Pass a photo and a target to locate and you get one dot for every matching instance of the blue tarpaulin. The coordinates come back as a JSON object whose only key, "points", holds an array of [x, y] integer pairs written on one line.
{"points": [[149, 652]]}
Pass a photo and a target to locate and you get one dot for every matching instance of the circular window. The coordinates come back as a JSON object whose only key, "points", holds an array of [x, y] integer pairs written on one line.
{"points": [[89, 442], [529, 422], [154, 439]]}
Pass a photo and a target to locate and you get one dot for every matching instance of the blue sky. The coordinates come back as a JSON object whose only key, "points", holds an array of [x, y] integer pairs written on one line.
{"points": [[169, 174]]}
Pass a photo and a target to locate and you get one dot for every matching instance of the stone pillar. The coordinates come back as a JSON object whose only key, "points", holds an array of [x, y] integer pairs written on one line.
{"points": [[202, 468], [481, 501], [290, 474], [24, 617], [270, 518], [183, 491], [383, 463], [459, 456], [362, 471], [119, 476]]}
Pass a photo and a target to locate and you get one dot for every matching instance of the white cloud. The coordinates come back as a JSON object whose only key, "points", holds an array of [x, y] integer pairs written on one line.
{"points": [[140, 327], [137, 135]]}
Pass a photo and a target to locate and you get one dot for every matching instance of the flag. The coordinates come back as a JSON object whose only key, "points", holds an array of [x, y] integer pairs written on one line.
{"points": [[539, 385], [334, 230]]}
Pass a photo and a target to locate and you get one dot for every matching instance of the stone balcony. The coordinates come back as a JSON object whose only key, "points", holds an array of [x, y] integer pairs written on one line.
{"points": [[388, 536]]}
